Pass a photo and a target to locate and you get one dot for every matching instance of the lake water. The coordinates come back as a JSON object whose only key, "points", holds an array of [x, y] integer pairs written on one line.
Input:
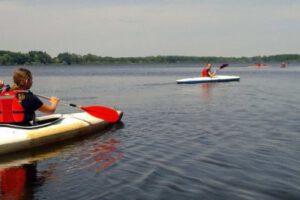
{"points": [[236, 140]]}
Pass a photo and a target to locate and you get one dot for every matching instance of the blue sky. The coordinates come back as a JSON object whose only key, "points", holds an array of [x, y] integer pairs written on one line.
{"points": [[122, 28]]}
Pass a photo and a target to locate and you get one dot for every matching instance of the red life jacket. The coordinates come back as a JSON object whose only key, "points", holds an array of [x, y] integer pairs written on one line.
{"points": [[204, 73], [11, 110]]}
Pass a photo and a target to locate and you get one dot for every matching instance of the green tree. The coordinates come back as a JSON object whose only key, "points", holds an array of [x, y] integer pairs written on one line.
{"points": [[5, 59], [39, 57]]}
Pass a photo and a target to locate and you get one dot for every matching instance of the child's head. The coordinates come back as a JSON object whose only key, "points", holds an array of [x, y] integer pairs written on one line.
{"points": [[208, 66], [22, 78]]}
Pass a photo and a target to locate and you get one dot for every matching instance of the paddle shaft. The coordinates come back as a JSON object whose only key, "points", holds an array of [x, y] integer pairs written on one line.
{"points": [[101, 112], [61, 102]]}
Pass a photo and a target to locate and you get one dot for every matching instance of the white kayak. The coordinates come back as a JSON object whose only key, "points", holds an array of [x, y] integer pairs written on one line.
{"points": [[49, 129], [218, 78]]}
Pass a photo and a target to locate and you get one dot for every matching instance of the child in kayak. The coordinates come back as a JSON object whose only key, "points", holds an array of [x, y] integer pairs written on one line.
{"points": [[207, 72], [29, 102]]}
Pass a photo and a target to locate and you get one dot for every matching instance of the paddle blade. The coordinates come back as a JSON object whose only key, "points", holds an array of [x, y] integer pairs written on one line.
{"points": [[223, 66], [105, 113]]}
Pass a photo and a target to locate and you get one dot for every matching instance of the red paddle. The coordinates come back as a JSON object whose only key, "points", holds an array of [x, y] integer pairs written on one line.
{"points": [[105, 113]]}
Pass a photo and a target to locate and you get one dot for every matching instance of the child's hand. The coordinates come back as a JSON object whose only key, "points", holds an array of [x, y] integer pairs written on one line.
{"points": [[54, 100]]}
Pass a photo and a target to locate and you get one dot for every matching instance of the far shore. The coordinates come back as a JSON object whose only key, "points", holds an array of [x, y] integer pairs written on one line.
{"points": [[8, 58]]}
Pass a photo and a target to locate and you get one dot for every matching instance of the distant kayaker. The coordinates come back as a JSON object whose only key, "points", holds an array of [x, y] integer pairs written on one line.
{"points": [[26, 102], [207, 72], [283, 65]]}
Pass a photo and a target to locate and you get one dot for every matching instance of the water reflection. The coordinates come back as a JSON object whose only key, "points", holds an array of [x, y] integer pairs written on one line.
{"points": [[18, 182], [206, 91], [106, 154], [19, 177]]}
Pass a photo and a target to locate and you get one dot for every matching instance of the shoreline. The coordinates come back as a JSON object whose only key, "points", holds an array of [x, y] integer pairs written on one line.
{"points": [[42, 58]]}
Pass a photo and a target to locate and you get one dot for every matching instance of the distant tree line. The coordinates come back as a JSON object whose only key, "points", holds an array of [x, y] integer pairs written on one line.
{"points": [[40, 57]]}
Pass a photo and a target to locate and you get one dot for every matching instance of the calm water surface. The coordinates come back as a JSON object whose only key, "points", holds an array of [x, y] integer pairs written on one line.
{"points": [[237, 140]]}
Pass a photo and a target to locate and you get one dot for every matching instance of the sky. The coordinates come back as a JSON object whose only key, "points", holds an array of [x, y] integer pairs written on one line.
{"points": [[133, 28]]}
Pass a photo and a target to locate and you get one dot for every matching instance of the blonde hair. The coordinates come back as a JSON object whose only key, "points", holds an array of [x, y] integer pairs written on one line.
{"points": [[20, 78]]}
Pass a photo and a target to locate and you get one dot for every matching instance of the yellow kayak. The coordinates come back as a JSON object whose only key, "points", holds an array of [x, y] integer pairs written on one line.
{"points": [[49, 129]]}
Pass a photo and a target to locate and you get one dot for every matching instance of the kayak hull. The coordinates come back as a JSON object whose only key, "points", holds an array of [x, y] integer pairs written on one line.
{"points": [[52, 129], [208, 79]]}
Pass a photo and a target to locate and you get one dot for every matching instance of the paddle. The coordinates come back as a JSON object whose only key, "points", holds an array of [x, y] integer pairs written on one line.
{"points": [[222, 66], [105, 113]]}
